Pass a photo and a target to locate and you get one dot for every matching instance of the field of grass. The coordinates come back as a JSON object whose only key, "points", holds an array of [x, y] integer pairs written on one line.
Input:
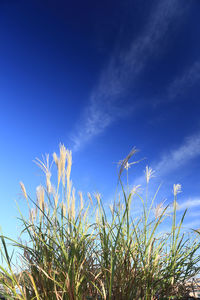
{"points": [[76, 249]]}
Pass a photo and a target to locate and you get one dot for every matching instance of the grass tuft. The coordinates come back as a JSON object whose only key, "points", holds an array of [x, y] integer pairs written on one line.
{"points": [[69, 254]]}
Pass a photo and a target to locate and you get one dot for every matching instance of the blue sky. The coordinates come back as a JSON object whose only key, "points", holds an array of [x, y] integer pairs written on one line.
{"points": [[100, 77]]}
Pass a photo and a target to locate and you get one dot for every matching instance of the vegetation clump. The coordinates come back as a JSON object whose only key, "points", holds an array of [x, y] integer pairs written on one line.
{"points": [[77, 249]]}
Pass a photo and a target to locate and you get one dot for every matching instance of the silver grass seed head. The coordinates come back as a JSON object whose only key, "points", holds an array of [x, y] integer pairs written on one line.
{"points": [[149, 173], [23, 189], [176, 189]]}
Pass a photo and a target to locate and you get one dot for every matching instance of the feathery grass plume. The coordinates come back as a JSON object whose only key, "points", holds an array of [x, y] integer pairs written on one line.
{"points": [[40, 197], [136, 189], [60, 163], [48, 182], [81, 200], [63, 155], [90, 198], [69, 164], [31, 216], [23, 190], [98, 198], [149, 173], [46, 208], [158, 210], [124, 163], [45, 166], [57, 162], [56, 200], [176, 189]]}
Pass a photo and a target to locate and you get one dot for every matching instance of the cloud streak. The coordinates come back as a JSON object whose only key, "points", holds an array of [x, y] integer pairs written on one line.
{"points": [[106, 103], [190, 203], [180, 156], [189, 78]]}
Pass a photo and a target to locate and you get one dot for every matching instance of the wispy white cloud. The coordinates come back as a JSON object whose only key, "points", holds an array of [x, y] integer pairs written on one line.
{"points": [[189, 78], [190, 203], [180, 156], [106, 101]]}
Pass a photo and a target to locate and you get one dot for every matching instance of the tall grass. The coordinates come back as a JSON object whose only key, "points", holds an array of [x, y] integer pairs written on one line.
{"points": [[75, 249]]}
